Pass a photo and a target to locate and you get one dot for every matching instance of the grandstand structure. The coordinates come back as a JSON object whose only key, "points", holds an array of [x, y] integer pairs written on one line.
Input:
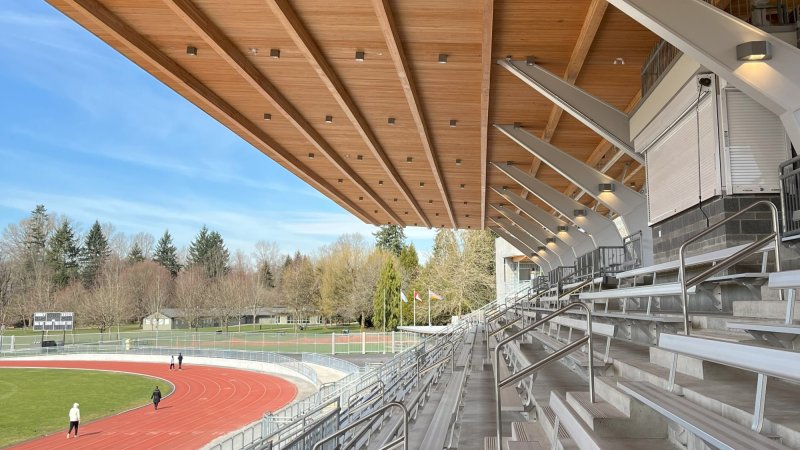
{"points": [[636, 158]]}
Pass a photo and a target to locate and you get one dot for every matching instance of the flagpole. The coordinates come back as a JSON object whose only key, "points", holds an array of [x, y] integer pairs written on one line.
{"points": [[429, 307], [401, 309]]}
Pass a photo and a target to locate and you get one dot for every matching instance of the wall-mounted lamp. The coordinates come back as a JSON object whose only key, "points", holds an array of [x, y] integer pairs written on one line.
{"points": [[605, 187], [754, 51], [579, 213], [563, 228], [550, 240], [541, 249]]}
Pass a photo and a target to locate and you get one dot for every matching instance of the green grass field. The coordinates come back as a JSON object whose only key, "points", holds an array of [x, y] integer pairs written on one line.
{"points": [[36, 401]]}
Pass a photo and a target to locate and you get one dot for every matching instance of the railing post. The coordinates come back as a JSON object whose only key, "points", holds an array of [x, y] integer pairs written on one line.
{"points": [[333, 343], [392, 341], [363, 342]]}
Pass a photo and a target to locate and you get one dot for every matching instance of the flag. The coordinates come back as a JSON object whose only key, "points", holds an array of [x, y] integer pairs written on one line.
{"points": [[403, 297], [417, 297], [434, 295]]}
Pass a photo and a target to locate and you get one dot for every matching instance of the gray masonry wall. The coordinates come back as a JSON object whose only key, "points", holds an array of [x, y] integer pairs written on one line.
{"points": [[670, 234]]}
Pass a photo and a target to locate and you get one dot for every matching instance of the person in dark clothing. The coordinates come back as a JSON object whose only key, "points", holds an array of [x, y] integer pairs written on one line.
{"points": [[180, 361], [156, 397]]}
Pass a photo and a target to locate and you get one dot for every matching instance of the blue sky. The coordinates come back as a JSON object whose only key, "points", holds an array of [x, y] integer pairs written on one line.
{"points": [[92, 136]]}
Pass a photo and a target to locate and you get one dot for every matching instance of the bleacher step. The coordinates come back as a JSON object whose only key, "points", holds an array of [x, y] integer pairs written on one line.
{"points": [[600, 416]]}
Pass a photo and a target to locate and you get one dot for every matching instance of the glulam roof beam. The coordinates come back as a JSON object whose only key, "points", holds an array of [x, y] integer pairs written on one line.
{"points": [[486, 75]]}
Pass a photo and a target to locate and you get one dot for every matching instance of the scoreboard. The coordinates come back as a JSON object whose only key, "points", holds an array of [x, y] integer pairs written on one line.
{"points": [[53, 321]]}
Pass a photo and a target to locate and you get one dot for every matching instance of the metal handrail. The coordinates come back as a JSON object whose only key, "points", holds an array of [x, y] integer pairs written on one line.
{"points": [[729, 261], [369, 402], [403, 439], [576, 288], [498, 384], [419, 357]]}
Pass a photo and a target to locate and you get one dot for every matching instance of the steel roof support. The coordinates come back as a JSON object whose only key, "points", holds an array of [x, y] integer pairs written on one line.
{"points": [[559, 249]]}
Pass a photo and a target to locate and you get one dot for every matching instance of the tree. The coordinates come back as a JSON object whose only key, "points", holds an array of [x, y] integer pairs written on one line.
{"points": [[94, 255], [191, 294], [300, 286], [106, 305], [167, 255], [63, 255], [387, 293], [135, 255], [6, 290], [390, 238], [208, 251], [145, 242], [147, 287]]}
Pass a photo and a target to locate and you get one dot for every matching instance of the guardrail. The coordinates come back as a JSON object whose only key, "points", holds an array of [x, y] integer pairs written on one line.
{"points": [[790, 198]]}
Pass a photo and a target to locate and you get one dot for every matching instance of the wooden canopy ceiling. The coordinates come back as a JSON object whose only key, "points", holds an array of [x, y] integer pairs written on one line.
{"points": [[407, 139]]}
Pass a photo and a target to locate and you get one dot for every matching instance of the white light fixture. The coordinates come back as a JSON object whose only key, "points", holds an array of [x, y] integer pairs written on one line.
{"points": [[754, 51], [274, 53], [191, 50], [360, 56], [619, 61], [442, 58], [253, 51], [605, 187]]}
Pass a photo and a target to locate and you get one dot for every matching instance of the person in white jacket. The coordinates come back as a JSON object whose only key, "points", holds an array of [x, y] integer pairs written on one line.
{"points": [[74, 419]]}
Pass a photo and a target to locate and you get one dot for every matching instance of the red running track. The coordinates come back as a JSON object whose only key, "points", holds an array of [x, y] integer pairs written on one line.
{"points": [[207, 402]]}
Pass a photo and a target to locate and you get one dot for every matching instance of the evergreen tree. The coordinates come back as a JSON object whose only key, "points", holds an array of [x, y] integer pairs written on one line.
{"points": [[409, 261], [208, 251], [37, 229], [390, 238], [167, 255], [63, 255], [388, 289], [136, 254], [265, 276], [94, 255]]}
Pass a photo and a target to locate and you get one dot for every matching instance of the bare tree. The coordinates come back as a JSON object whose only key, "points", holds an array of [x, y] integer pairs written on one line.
{"points": [[147, 287], [300, 287], [146, 242], [6, 291], [191, 294], [107, 305]]}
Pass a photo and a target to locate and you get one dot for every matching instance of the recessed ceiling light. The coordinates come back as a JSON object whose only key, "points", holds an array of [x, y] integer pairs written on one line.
{"points": [[359, 157], [376, 211], [274, 53], [340, 181], [395, 199], [465, 203], [360, 56], [310, 156], [328, 119], [453, 123], [405, 213], [437, 214], [253, 51], [361, 198], [380, 182], [458, 162], [530, 60], [409, 159], [442, 58], [467, 216], [267, 116], [191, 50], [463, 185], [421, 184], [430, 201], [517, 124], [391, 120], [619, 61]]}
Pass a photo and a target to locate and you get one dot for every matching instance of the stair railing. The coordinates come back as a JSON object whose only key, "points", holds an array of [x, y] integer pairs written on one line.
{"points": [[403, 439], [555, 356], [575, 289], [729, 261]]}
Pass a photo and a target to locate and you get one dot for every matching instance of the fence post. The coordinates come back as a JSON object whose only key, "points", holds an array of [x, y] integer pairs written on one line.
{"points": [[333, 343], [363, 342], [393, 342]]}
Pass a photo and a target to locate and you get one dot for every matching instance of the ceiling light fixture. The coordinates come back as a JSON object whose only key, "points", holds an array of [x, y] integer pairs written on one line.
{"points": [[191, 50], [541, 249], [380, 182], [754, 51], [421, 184], [453, 123], [530, 60], [409, 159], [442, 58], [360, 56], [310, 156], [563, 228], [458, 162], [274, 53], [430, 201], [328, 119], [550, 240], [253, 51], [605, 187], [267, 116], [340, 181], [359, 157], [391, 120], [579, 213], [463, 186], [619, 61]]}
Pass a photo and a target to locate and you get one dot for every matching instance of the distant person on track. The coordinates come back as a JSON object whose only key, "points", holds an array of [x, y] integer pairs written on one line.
{"points": [[74, 419], [171, 362], [156, 397], [180, 361]]}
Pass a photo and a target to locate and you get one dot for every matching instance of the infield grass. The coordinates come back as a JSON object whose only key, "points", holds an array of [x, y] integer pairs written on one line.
{"points": [[36, 401]]}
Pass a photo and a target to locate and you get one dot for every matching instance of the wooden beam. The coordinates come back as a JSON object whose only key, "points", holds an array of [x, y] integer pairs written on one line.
{"points": [[222, 45], [486, 63], [585, 39], [308, 47], [143, 48], [392, 36]]}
